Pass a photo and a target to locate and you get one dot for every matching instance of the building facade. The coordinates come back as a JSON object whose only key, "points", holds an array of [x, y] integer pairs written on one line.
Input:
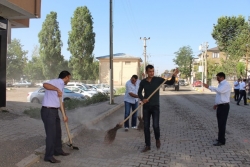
{"points": [[13, 14], [124, 66]]}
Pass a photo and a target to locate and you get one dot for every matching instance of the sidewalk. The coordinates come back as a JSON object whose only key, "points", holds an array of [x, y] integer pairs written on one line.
{"points": [[22, 138]]}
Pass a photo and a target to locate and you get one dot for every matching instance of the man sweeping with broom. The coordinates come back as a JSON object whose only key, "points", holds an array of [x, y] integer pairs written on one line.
{"points": [[152, 106]]}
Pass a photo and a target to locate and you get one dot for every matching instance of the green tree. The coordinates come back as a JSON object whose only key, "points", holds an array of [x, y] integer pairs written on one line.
{"points": [[241, 69], [212, 69], [34, 68], [226, 29], [81, 43], [16, 60], [183, 58], [50, 46]]}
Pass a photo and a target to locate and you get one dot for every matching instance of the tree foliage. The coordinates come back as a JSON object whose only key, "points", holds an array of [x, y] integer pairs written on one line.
{"points": [[16, 60], [81, 44], [226, 29], [50, 46], [34, 68], [183, 58]]}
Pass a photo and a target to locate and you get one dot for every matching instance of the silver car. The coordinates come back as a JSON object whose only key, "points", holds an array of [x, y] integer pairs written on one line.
{"points": [[22, 84], [38, 95], [80, 89]]}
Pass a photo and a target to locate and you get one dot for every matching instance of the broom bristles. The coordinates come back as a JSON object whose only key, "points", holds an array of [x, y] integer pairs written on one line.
{"points": [[111, 134], [141, 123]]}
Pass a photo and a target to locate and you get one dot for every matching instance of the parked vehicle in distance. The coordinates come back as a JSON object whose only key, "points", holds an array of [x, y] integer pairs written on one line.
{"points": [[82, 90], [22, 84], [197, 83], [8, 84], [38, 95], [183, 82], [40, 84], [103, 88]]}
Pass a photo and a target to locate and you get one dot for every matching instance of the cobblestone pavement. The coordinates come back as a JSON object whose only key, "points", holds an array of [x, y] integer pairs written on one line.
{"points": [[188, 129], [21, 135]]}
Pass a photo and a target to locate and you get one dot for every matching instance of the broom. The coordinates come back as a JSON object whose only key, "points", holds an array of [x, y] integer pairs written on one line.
{"points": [[140, 118], [111, 133]]}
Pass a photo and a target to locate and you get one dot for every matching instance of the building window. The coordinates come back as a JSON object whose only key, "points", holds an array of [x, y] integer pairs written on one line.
{"points": [[127, 62], [216, 55]]}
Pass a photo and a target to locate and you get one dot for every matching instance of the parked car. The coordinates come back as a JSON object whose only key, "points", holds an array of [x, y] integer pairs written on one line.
{"points": [[22, 84], [40, 84], [8, 84], [103, 88], [183, 82], [197, 83], [82, 90], [38, 95]]}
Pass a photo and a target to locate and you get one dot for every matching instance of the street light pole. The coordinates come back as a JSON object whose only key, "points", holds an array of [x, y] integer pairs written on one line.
{"points": [[145, 53], [111, 52]]}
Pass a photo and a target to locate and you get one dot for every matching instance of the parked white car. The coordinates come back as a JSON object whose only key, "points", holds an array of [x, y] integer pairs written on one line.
{"points": [[22, 84], [103, 88], [80, 89]]}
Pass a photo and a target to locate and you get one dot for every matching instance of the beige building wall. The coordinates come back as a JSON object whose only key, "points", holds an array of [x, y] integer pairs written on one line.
{"points": [[123, 69]]}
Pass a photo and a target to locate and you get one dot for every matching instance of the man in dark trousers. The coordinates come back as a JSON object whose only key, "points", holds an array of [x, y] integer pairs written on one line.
{"points": [[237, 89], [152, 106], [222, 99], [50, 117], [243, 94]]}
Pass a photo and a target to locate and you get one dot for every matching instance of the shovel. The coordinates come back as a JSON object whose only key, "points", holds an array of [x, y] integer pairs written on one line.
{"points": [[67, 127]]}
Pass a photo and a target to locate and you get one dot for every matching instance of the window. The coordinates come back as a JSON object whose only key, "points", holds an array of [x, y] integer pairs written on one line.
{"points": [[127, 62], [216, 55]]}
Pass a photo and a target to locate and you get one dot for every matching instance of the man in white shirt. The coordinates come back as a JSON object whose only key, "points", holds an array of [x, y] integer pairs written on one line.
{"points": [[237, 89], [131, 101], [222, 100], [243, 92]]}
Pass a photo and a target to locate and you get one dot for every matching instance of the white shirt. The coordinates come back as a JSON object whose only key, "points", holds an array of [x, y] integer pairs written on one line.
{"points": [[238, 85], [222, 92], [242, 86], [131, 88], [51, 98]]}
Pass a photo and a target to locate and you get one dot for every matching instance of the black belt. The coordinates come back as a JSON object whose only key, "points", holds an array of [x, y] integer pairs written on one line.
{"points": [[223, 104], [50, 107]]}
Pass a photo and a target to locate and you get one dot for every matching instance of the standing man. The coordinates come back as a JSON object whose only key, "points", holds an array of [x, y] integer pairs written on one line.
{"points": [[243, 92], [236, 89], [152, 106], [222, 100], [131, 100], [50, 117]]}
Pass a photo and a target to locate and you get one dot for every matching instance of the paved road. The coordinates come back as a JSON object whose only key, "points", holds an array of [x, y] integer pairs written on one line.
{"points": [[188, 128]]}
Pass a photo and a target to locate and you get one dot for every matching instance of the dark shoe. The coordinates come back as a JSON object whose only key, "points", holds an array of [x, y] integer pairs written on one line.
{"points": [[146, 148], [62, 153], [218, 144], [238, 104], [52, 160], [246, 104], [158, 144]]}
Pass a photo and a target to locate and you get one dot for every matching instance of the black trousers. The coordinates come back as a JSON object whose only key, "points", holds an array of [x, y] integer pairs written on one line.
{"points": [[147, 112], [236, 94], [242, 94], [222, 114], [53, 131]]}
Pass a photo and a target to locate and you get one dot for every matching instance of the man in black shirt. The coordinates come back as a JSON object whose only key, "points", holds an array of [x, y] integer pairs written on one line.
{"points": [[151, 106]]}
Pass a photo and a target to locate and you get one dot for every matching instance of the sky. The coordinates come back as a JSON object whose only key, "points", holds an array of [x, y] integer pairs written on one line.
{"points": [[170, 24]]}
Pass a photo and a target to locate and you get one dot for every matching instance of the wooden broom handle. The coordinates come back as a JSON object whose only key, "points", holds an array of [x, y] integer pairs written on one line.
{"points": [[66, 123], [142, 103]]}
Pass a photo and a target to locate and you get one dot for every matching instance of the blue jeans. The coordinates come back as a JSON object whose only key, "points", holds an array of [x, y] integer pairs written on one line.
{"points": [[127, 113]]}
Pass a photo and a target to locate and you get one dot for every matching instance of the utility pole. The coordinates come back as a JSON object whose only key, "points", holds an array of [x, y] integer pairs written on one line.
{"points": [[145, 53], [111, 52], [203, 48]]}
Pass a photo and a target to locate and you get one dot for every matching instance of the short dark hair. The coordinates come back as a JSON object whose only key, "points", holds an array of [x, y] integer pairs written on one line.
{"points": [[135, 76], [149, 67], [244, 80], [63, 74], [221, 74]]}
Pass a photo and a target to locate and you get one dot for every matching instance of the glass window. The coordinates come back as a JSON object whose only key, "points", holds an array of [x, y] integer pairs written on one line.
{"points": [[65, 90]]}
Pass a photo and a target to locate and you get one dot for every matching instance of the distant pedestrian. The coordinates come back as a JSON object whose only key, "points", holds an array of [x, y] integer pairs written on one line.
{"points": [[222, 106], [131, 101], [237, 89], [243, 94], [151, 107], [50, 117]]}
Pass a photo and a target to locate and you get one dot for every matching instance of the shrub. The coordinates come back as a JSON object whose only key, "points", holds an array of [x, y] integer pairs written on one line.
{"points": [[120, 91]]}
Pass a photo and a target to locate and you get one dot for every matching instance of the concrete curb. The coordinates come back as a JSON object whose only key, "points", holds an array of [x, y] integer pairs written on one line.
{"points": [[33, 158]]}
